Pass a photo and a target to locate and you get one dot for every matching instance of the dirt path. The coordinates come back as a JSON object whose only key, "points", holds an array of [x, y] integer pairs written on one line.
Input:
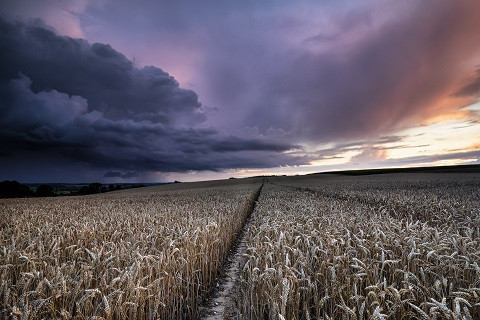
{"points": [[215, 306]]}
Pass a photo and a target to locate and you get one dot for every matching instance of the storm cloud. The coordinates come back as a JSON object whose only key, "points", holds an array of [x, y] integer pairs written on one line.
{"points": [[87, 105], [110, 82], [116, 174], [364, 72], [257, 84]]}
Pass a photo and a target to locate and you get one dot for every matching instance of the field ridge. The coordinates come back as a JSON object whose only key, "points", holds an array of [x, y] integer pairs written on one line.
{"points": [[219, 298]]}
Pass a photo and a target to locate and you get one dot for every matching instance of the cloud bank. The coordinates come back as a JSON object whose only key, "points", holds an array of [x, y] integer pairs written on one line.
{"points": [[365, 70], [72, 103], [272, 77]]}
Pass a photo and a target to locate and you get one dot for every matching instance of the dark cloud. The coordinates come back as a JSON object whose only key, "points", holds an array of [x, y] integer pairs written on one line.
{"points": [[72, 104], [116, 174], [61, 126], [235, 144], [110, 82]]}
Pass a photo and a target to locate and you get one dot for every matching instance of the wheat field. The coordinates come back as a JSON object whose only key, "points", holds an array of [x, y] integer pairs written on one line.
{"points": [[141, 254], [363, 249], [401, 246]]}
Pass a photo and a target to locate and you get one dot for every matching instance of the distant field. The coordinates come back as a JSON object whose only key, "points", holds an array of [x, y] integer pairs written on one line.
{"points": [[328, 246], [472, 168]]}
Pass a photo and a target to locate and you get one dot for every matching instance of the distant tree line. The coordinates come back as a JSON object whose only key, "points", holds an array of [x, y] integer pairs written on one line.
{"points": [[15, 189], [97, 187]]}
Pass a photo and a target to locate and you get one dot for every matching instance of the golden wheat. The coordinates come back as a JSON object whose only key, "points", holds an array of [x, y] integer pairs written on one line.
{"points": [[127, 255], [382, 247], [329, 249]]}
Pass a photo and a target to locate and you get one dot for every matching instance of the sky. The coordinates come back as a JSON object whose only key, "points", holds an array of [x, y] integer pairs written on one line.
{"points": [[156, 91]]}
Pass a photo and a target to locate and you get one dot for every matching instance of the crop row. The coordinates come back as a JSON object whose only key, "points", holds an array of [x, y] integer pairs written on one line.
{"points": [[310, 256], [435, 199], [125, 255]]}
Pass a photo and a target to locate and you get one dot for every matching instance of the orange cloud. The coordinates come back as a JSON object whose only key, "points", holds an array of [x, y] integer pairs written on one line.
{"points": [[369, 155]]}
